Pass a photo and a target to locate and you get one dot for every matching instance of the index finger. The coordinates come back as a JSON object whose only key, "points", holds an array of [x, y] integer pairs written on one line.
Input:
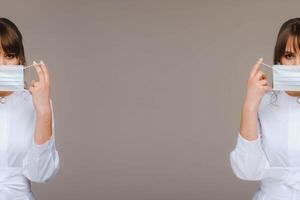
{"points": [[39, 71], [255, 67], [45, 70]]}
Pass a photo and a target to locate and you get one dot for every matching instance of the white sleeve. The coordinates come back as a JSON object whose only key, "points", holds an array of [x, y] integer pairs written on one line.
{"points": [[41, 162], [248, 159]]}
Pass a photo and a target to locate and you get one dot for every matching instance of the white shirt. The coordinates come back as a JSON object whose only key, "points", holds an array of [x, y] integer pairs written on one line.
{"points": [[21, 159], [274, 157]]}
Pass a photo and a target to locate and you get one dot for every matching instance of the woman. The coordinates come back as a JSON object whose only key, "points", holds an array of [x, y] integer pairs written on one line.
{"points": [[27, 143], [268, 143]]}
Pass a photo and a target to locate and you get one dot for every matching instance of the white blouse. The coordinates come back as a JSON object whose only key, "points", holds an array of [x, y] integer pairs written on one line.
{"points": [[21, 159], [274, 157]]}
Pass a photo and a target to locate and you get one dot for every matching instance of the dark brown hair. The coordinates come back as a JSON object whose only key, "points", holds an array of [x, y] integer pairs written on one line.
{"points": [[289, 29], [11, 40]]}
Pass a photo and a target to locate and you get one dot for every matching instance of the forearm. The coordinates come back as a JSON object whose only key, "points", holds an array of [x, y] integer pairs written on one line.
{"points": [[43, 127], [248, 125], [41, 162]]}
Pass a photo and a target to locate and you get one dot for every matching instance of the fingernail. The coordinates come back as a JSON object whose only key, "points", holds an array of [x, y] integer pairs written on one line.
{"points": [[34, 62], [42, 62], [260, 59]]}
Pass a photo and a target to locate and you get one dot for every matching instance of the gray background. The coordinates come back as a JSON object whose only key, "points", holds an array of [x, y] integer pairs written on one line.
{"points": [[147, 94]]}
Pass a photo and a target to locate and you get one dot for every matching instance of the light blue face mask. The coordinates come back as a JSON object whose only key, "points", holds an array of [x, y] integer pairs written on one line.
{"points": [[12, 77], [285, 77]]}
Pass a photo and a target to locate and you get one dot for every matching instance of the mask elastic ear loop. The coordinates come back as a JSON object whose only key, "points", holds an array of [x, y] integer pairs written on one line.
{"points": [[27, 66], [266, 65]]}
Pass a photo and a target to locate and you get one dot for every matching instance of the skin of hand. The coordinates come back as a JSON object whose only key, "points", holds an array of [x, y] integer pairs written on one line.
{"points": [[40, 91], [257, 86]]}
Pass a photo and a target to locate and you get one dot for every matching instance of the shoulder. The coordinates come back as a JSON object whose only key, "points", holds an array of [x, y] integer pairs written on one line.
{"points": [[21, 97], [269, 99], [26, 98], [25, 92], [24, 95]]}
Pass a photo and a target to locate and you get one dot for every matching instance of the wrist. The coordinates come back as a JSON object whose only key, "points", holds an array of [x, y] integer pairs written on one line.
{"points": [[43, 112], [250, 107]]}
